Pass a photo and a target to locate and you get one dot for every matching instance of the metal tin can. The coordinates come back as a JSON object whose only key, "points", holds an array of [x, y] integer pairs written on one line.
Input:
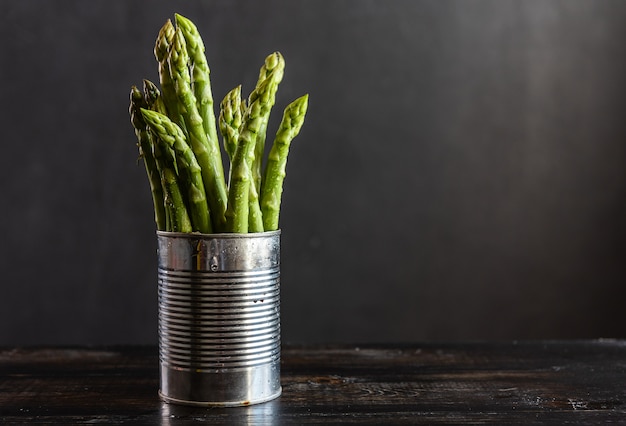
{"points": [[219, 318]]}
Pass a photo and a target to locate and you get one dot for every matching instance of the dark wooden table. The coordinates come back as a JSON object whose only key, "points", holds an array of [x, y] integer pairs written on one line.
{"points": [[556, 382]]}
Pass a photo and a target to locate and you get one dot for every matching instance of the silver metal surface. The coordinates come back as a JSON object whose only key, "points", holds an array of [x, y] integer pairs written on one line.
{"points": [[219, 318]]}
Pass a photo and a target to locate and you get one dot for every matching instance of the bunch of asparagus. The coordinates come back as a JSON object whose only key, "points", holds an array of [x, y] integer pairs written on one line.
{"points": [[177, 134]]}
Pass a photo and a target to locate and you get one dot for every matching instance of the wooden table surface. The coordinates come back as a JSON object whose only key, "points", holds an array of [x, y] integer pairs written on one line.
{"points": [[555, 382]]}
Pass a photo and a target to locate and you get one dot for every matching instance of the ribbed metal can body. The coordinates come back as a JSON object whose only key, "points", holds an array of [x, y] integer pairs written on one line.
{"points": [[219, 318]]}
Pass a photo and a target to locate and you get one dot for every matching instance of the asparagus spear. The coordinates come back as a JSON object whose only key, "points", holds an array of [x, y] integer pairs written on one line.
{"points": [[255, 215], [172, 135], [208, 155], [272, 69], [230, 120], [237, 213], [272, 188], [162, 48], [154, 101], [200, 76], [238, 194], [145, 151], [177, 212], [263, 96]]}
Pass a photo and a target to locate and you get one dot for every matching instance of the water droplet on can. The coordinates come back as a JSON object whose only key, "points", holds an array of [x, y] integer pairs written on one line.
{"points": [[213, 263]]}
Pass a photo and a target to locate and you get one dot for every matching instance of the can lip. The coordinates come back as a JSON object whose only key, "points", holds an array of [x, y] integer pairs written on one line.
{"points": [[222, 235]]}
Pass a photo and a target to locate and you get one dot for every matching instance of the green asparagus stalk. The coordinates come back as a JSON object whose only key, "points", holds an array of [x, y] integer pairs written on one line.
{"points": [[179, 220], [145, 151], [237, 213], [176, 214], [272, 69], [162, 48], [200, 77], [208, 155], [263, 95], [165, 159], [172, 135], [255, 215], [239, 191], [272, 188], [230, 120], [154, 101]]}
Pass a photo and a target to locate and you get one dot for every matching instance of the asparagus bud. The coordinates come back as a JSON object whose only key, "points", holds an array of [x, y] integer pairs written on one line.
{"points": [[153, 98]]}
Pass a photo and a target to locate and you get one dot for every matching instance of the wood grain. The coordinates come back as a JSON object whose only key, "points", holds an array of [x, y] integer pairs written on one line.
{"points": [[575, 382]]}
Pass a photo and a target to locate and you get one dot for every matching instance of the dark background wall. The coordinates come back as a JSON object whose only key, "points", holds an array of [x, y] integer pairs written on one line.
{"points": [[461, 173]]}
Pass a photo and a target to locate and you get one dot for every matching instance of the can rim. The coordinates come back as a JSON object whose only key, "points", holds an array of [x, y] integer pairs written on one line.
{"points": [[217, 235]]}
